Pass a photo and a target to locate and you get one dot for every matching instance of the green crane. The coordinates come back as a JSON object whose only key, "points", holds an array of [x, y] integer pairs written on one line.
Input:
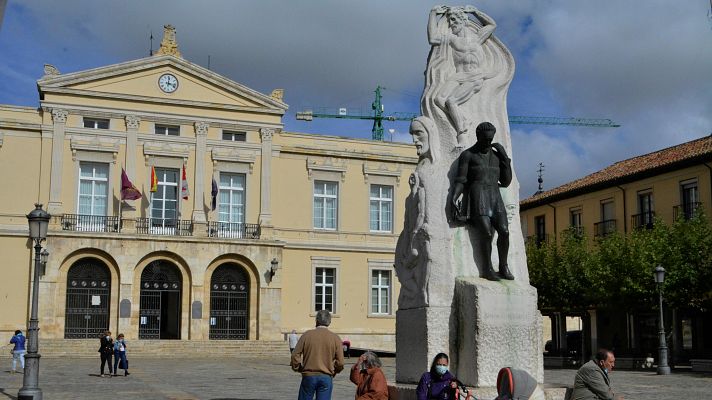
{"points": [[379, 116]]}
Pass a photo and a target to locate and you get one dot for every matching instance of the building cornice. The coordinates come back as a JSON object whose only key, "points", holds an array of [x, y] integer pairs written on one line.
{"points": [[158, 100], [156, 117], [56, 81]]}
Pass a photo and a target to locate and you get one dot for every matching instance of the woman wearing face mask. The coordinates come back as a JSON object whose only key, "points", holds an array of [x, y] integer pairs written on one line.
{"points": [[106, 350], [438, 383], [369, 379]]}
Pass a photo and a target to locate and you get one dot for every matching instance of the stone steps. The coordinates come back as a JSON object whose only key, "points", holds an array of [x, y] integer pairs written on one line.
{"points": [[168, 348]]}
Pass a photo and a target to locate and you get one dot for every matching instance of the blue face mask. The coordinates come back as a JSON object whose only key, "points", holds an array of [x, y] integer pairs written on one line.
{"points": [[441, 369]]}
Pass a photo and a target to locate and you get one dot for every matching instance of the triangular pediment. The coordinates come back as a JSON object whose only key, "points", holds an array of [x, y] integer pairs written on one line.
{"points": [[139, 79]]}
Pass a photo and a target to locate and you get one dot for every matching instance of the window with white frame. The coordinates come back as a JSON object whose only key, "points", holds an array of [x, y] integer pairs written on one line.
{"points": [[324, 289], [164, 201], [93, 188], [96, 123], [231, 198], [381, 208], [234, 136], [168, 130], [326, 200], [380, 291]]}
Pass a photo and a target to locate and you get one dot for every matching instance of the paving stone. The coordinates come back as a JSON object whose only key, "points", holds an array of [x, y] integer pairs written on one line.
{"points": [[220, 378]]}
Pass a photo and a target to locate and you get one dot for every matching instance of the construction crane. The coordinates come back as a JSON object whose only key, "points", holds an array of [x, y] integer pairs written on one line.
{"points": [[379, 116]]}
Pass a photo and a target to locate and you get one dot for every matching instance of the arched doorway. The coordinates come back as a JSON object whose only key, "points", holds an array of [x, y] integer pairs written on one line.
{"points": [[229, 303], [160, 303], [86, 313]]}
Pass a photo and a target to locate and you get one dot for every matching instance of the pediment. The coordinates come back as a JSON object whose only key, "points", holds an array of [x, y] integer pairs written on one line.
{"points": [[139, 79]]}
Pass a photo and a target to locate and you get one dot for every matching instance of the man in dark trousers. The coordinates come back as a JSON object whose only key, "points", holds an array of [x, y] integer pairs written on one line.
{"points": [[318, 357], [592, 382]]}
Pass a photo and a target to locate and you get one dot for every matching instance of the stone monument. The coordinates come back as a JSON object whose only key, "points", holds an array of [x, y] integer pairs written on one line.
{"points": [[451, 299]]}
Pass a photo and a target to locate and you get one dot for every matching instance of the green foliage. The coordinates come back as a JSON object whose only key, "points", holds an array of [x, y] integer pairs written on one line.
{"points": [[617, 271]]}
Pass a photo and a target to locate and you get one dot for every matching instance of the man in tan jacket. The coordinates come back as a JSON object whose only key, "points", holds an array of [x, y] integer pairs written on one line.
{"points": [[318, 357]]}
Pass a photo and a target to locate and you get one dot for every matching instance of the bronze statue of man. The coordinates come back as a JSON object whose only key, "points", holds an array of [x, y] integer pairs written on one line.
{"points": [[481, 171]]}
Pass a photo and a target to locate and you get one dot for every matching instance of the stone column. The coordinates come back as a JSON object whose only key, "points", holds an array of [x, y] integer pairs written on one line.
{"points": [[128, 208], [201, 134], [59, 118], [265, 218]]}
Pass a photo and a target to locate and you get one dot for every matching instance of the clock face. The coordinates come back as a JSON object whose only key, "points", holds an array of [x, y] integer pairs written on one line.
{"points": [[168, 83]]}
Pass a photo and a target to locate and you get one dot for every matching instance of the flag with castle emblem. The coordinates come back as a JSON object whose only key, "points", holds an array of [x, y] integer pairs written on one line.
{"points": [[184, 186]]}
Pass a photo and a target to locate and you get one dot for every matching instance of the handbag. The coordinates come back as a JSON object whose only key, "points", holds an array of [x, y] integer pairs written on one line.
{"points": [[124, 363]]}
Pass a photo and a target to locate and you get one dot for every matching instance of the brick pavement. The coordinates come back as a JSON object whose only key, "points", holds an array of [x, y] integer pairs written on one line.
{"points": [[247, 379]]}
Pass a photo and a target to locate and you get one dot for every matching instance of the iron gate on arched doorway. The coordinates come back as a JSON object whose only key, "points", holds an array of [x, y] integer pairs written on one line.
{"points": [[87, 306], [160, 305], [229, 303]]}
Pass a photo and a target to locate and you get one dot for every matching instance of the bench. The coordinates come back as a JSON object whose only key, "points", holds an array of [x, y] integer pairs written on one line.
{"points": [[701, 365]]}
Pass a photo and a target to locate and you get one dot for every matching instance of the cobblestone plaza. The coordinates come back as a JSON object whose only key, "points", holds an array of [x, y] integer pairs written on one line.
{"points": [[271, 378]]}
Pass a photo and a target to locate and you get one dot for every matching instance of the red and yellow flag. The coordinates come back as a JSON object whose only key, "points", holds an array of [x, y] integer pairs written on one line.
{"points": [[154, 180]]}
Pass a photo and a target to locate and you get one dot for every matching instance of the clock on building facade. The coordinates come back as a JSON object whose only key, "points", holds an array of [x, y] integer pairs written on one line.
{"points": [[168, 83]]}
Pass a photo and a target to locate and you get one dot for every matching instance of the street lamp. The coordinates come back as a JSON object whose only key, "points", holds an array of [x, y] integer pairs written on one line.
{"points": [[38, 220], [663, 368], [274, 264]]}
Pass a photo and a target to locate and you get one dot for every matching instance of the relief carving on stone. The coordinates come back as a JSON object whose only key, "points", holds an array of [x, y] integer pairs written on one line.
{"points": [[266, 134], [132, 122], [201, 128], [413, 249], [59, 116], [466, 69], [50, 70]]}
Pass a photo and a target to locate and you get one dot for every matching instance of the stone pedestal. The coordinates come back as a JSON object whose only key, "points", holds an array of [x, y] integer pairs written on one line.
{"points": [[498, 325], [422, 333]]}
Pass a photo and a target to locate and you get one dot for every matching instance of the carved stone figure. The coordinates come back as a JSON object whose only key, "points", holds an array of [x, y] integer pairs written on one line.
{"points": [[169, 45], [481, 171], [423, 131], [467, 55], [412, 249]]}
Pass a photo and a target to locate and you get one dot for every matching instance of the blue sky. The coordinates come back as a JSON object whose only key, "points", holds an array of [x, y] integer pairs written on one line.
{"points": [[645, 64]]}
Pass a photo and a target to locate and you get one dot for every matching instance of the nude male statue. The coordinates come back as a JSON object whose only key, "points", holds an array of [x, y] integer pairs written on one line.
{"points": [[467, 55], [481, 171]]}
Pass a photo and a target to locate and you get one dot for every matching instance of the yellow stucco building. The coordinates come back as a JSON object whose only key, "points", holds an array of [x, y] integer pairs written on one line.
{"points": [[668, 184], [301, 222]]}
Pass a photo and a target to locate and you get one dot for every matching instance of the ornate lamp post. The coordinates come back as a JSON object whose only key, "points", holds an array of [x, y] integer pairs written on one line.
{"points": [[39, 221], [663, 368]]}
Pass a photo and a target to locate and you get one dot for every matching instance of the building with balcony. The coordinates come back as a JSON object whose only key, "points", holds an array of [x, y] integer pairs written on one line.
{"points": [[242, 230], [667, 184]]}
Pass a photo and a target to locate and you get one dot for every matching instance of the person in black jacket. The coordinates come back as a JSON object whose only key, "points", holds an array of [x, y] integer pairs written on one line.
{"points": [[106, 350]]}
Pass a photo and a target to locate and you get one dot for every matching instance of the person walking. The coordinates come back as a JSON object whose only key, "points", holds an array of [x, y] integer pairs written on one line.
{"points": [[293, 338], [18, 351], [369, 379], [106, 350], [120, 360], [592, 382], [318, 356]]}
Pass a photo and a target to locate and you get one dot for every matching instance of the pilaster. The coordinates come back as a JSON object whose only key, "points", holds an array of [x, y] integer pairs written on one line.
{"points": [[128, 210], [59, 119], [201, 134], [265, 218]]}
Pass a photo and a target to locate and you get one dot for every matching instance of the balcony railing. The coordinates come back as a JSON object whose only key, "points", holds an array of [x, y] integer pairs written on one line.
{"points": [[90, 223], [643, 220], [685, 210], [604, 228], [168, 227], [233, 230]]}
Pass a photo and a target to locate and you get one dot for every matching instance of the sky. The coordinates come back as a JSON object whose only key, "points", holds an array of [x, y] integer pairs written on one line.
{"points": [[647, 65]]}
